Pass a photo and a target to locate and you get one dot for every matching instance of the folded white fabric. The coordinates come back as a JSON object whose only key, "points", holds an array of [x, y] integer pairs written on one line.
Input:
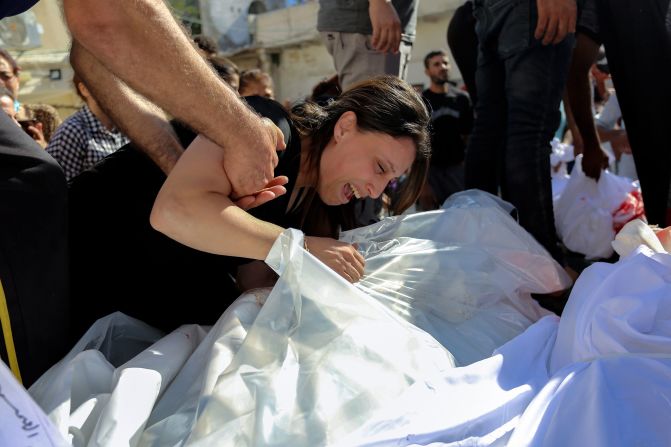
{"points": [[611, 363], [635, 234]]}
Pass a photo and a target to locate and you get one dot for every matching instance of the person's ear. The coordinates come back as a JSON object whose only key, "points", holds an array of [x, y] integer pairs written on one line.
{"points": [[84, 90], [346, 123]]}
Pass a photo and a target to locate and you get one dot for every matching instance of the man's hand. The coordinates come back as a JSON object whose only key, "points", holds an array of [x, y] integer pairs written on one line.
{"points": [[386, 26], [342, 258], [272, 190], [556, 18], [251, 156], [594, 160]]}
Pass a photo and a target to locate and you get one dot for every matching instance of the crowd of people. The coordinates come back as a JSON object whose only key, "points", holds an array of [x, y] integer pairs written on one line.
{"points": [[136, 202]]}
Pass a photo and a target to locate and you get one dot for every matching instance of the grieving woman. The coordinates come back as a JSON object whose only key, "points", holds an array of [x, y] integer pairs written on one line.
{"points": [[352, 148]]}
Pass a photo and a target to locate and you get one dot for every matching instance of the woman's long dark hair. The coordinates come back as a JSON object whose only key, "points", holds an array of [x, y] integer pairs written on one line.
{"points": [[383, 104]]}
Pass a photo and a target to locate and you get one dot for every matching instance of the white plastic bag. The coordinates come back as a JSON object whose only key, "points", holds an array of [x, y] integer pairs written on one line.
{"points": [[103, 391], [463, 273], [559, 157], [588, 214], [320, 357]]}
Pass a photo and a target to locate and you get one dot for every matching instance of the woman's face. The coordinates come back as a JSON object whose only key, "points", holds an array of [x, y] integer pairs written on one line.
{"points": [[361, 164]]}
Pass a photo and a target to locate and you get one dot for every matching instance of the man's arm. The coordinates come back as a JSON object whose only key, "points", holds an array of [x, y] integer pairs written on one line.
{"points": [[386, 26], [578, 87], [572, 126], [140, 120], [140, 42], [556, 18]]}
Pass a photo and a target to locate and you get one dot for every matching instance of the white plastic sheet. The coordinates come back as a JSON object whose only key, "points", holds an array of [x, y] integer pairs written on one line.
{"points": [[318, 361], [464, 273], [103, 391], [321, 356], [588, 213]]}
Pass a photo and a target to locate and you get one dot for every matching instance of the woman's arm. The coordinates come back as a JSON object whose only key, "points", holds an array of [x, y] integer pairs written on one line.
{"points": [[194, 208]]}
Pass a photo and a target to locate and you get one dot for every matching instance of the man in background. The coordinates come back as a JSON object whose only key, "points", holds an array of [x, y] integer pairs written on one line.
{"points": [[451, 122]]}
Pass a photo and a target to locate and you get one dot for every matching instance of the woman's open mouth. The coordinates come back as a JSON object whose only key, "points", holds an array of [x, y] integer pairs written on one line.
{"points": [[350, 191]]}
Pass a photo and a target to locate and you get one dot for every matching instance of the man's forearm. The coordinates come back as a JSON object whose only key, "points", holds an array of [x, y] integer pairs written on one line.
{"points": [[158, 63], [578, 90], [141, 121]]}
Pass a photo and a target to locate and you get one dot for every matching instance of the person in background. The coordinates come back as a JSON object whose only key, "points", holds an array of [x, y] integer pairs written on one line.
{"points": [[86, 137], [207, 46], [637, 40], [255, 82], [326, 90], [44, 115], [520, 82], [7, 104], [227, 70], [451, 123], [600, 73], [9, 75], [463, 43], [368, 38]]}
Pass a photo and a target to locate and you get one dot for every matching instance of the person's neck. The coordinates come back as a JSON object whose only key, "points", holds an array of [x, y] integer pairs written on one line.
{"points": [[439, 88], [104, 119]]}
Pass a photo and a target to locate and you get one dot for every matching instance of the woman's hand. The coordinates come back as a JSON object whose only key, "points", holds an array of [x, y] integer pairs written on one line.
{"points": [[342, 258]]}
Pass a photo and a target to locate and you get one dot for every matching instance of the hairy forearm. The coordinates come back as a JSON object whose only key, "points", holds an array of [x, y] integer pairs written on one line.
{"points": [[143, 122], [140, 42]]}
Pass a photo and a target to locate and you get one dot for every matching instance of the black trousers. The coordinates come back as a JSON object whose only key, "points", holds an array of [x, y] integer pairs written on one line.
{"points": [[638, 48], [33, 252], [463, 43]]}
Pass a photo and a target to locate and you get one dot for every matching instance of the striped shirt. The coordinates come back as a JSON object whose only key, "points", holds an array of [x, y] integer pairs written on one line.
{"points": [[81, 141]]}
